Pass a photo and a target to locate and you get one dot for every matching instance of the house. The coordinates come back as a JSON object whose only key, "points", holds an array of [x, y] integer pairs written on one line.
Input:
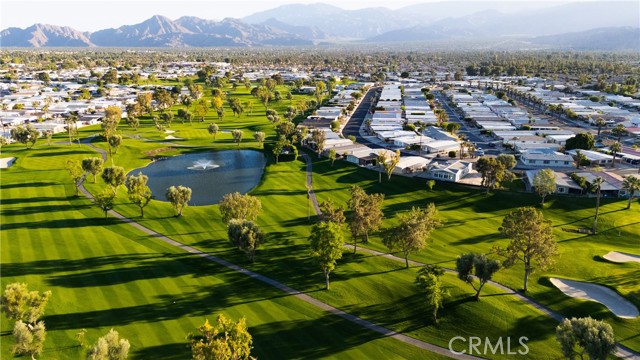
{"points": [[564, 183], [594, 157], [364, 157], [611, 186], [441, 146], [411, 164], [545, 158], [451, 170]]}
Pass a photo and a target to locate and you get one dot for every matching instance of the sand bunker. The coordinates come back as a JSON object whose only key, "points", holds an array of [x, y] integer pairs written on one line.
{"points": [[620, 257], [605, 296], [6, 162], [171, 137], [169, 131]]}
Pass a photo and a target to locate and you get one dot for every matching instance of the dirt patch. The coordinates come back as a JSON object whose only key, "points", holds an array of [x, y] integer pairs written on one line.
{"points": [[154, 153]]}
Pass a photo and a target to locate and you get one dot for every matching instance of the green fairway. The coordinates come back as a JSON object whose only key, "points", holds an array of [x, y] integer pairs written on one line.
{"points": [[107, 274]]}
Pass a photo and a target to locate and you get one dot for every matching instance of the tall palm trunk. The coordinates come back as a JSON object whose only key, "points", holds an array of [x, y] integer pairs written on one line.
{"points": [[595, 221]]}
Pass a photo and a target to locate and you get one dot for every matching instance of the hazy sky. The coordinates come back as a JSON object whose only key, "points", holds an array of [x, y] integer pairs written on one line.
{"points": [[92, 15]]}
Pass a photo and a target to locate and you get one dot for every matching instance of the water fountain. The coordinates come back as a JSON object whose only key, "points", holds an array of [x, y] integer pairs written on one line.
{"points": [[203, 164]]}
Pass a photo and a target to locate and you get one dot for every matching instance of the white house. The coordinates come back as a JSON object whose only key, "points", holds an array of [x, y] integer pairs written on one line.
{"points": [[452, 170], [545, 158]]}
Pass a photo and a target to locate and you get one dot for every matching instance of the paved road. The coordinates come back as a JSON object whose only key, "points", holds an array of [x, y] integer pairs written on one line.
{"points": [[352, 128]]}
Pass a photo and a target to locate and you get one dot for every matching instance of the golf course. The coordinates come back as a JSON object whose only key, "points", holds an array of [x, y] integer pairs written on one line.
{"points": [[106, 273]]}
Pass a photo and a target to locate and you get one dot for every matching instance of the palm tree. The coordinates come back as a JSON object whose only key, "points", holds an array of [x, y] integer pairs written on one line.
{"points": [[600, 122], [71, 122], [596, 184], [5, 107], [618, 131], [631, 184], [615, 149]]}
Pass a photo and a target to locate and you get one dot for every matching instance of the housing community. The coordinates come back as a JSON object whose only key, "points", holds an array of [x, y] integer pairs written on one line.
{"points": [[438, 126]]}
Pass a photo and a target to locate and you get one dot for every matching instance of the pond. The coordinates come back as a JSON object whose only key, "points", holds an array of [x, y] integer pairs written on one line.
{"points": [[210, 175]]}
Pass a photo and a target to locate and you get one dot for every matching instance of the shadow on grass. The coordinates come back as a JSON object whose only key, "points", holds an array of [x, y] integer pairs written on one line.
{"points": [[23, 201], [202, 301], [175, 351], [28, 185], [43, 209], [61, 153], [320, 338], [62, 223]]}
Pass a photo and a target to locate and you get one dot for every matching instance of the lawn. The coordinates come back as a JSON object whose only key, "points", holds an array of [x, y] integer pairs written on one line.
{"points": [[105, 274], [134, 279]]}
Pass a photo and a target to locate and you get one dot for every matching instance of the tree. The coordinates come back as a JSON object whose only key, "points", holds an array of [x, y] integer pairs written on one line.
{"points": [[476, 266], [586, 336], [332, 156], [114, 176], [326, 246], [139, 193], [544, 183], [25, 134], [430, 184], [285, 128], [241, 207], [237, 136], [318, 136], [412, 231], [264, 94], [93, 166], [509, 161], [259, 136], [133, 122], [615, 148], [105, 201], [389, 162], [71, 121], [429, 279], [144, 100], [44, 77], [179, 197], [600, 123], [532, 240], [492, 171], [246, 236], [452, 127], [114, 142], [200, 110], [109, 347], [366, 214], [583, 141], [77, 173], [619, 131], [279, 146], [228, 339], [332, 212], [213, 130], [20, 304], [29, 339], [596, 186], [631, 184], [110, 121]]}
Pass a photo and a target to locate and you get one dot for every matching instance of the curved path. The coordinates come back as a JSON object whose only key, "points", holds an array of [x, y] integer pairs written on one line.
{"points": [[291, 291]]}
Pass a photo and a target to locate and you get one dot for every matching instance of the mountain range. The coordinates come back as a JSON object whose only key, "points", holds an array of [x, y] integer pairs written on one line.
{"points": [[605, 25]]}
